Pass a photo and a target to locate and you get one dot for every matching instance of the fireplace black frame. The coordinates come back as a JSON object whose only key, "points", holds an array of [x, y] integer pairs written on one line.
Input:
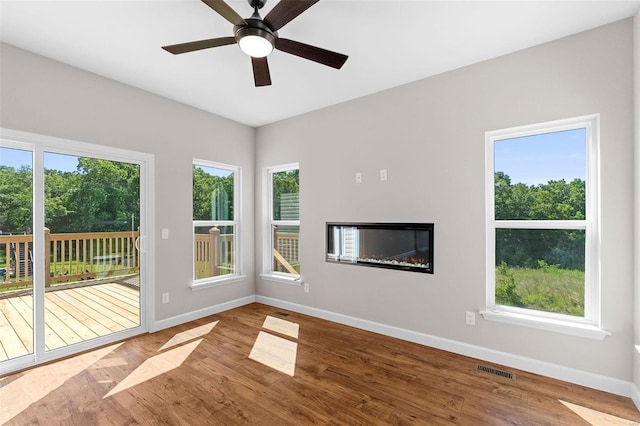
{"points": [[331, 257]]}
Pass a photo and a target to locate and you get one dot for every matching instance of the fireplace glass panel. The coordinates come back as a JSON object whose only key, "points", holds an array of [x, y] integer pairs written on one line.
{"points": [[383, 245]]}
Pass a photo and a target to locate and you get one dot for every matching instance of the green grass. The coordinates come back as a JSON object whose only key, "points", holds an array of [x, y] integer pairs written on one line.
{"points": [[98, 270], [547, 288]]}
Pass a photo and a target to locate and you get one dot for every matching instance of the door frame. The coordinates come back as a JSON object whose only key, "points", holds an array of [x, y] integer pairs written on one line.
{"points": [[38, 144]]}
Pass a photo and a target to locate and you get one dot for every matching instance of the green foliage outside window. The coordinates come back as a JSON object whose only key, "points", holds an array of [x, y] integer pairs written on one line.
{"points": [[540, 269], [100, 196]]}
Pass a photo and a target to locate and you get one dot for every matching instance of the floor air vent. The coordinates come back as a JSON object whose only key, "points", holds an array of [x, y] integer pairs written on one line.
{"points": [[496, 372]]}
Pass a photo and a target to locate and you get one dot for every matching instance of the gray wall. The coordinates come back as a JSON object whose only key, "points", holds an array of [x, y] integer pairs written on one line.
{"points": [[430, 136], [636, 351], [46, 97]]}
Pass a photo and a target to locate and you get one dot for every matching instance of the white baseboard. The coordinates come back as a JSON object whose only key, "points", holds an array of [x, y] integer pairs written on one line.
{"points": [[579, 377], [635, 395], [200, 313]]}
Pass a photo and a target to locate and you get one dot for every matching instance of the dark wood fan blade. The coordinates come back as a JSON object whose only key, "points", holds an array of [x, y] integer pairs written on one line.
{"points": [[285, 11], [225, 11], [316, 54], [261, 74], [199, 45]]}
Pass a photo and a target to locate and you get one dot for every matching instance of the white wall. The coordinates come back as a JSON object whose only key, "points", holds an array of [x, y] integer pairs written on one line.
{"points": [[636, 350], [46, 97], [430, 136]]}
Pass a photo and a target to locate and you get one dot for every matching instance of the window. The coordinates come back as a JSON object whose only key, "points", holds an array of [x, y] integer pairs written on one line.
{"points": [[542, 226], [215, 222], [283, 250]]}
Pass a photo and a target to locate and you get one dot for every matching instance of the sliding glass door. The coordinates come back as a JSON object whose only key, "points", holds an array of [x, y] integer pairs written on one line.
{"points": [[72, 256], [92, 226]]}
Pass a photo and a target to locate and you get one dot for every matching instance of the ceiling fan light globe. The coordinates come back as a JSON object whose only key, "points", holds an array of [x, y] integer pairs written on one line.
{"points": [[255, 46]]}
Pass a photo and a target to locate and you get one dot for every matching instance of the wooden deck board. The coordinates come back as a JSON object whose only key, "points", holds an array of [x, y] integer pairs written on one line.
{"points": [[92, 309], [51, 340], [113, 294], [111, 303], [71, 316], [23, 327], [79, 314], [11, 343], [104, 306]]}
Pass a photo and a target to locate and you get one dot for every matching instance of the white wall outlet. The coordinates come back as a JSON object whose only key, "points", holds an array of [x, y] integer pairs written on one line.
{"points": [[470, 318], [383, 174], [165, 234], [165, 297], [306, 287], [358, 177]]}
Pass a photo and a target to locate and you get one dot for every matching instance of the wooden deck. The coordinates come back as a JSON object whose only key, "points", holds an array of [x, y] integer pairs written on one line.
{"points": [[72, 315]]}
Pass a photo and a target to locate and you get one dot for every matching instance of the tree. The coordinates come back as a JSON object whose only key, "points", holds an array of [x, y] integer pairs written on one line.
{"points": [[107, 197], [59, 210], [286, 182], [15, 199], [555, 200], [212, 196]]}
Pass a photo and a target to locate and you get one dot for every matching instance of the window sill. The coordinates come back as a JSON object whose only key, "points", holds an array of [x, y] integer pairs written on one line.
{"points": [[217, 282], [557, 326], [284, 279]]}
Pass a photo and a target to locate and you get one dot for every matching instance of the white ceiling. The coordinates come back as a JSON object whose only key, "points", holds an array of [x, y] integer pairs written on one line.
{"points": [[389, 43]]}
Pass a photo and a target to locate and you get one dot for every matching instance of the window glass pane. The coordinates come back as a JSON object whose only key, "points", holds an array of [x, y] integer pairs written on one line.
{"points": [[212, 193], [541, 269], [286, 187], [214, 251], [541, 177], [16, 253], [286, 249]]}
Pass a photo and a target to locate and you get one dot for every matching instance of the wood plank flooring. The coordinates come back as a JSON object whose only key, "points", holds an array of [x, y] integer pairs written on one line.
{"points": [[201, 373], [71, 315]]}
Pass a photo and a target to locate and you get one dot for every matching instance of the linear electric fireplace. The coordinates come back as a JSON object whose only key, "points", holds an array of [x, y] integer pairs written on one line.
{"points": [[404, 246]]}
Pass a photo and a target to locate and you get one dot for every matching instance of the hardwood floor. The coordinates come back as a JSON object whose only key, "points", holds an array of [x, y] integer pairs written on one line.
{"points": [[218, 371]]}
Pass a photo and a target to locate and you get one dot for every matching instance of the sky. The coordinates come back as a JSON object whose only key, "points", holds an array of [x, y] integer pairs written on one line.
{"points": [[537, 159], [16, 158], [215, 171]]}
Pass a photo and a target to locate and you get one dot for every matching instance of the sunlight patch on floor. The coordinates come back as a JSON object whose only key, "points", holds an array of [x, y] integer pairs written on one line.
{"points": [[275, 352], [18, 395], [155, 366], [595, 417], [187, 335], [281, 326]]}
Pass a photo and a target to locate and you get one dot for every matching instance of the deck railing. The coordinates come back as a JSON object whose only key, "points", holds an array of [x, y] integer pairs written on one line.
{"points": [[214, 254], [71, 257], [286, 251], [85, 256]]}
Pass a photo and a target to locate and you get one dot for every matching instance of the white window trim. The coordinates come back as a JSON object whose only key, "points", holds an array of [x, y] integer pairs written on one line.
{"points": [[237, 214], [590, 325], [267, 201]]}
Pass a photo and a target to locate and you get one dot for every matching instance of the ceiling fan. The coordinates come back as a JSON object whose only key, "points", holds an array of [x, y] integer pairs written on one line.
{"points": [[258, 37]]}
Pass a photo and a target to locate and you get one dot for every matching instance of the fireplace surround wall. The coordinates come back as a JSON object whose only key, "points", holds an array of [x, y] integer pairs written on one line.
{"points": [[402, 246]]}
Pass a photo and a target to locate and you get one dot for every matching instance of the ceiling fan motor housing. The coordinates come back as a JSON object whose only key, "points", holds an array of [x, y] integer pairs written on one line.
{"points": [[255, 27]]}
